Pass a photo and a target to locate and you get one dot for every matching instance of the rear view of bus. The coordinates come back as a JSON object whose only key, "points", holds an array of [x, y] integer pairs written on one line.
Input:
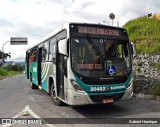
{"points": [[101, 64]]}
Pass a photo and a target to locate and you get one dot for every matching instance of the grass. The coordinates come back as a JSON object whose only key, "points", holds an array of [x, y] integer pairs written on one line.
{"points": [[156, 90], [5, 73], [145, 33]]}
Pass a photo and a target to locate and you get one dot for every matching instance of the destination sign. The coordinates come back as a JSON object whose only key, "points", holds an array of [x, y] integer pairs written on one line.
{"points": [[99, 31]]}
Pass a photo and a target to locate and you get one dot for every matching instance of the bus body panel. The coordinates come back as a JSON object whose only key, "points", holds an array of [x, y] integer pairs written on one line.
{"points": [[48, 70], [34, 73]]}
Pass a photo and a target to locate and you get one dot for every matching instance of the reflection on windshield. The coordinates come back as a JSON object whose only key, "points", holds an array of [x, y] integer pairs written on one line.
{"points": [[100, 57]]}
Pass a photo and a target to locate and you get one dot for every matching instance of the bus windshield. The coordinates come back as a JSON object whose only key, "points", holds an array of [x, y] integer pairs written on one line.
{"points": [[94, 57]]}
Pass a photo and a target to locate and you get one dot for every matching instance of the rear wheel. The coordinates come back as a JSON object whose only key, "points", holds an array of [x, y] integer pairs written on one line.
{"points": [[55, 100]]}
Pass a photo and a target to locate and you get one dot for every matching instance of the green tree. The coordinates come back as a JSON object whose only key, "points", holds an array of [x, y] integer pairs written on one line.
{"points": [[9, 67]]}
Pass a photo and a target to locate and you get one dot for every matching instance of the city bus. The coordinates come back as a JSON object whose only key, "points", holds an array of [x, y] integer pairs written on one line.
{"points": [[82, 63]]}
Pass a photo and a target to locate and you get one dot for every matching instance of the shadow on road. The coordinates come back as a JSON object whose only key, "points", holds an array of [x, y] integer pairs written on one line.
{"points": [[134, 107], [100, 110]]}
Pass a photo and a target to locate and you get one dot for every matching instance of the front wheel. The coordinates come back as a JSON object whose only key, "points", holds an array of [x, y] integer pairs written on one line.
{"points": [[55, 100]]}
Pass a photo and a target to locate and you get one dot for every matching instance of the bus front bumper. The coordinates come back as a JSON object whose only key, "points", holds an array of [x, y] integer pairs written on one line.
{"points": [[76, 98]]}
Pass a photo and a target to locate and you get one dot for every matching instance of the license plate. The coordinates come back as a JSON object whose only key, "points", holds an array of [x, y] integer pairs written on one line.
{"points": [[107, 100]]}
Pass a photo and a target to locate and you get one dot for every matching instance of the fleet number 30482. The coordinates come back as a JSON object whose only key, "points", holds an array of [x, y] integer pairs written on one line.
{"points": [[97, 89], [93, 89]]}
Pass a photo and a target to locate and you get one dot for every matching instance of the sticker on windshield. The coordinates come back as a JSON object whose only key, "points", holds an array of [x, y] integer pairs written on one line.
{"points": [[111, 70], [90, 66]]}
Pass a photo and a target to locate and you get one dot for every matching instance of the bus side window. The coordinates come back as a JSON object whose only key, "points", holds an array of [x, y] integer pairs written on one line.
{"points": [[52, 50], [45, 51], [35, 54], [30, 56]]}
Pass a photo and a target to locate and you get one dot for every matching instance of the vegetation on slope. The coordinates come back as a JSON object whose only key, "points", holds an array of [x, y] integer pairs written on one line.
{"points": [[145, 32]]}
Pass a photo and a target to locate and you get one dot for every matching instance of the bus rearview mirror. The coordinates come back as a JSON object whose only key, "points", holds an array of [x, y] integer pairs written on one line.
{"points": [[62, 47]]}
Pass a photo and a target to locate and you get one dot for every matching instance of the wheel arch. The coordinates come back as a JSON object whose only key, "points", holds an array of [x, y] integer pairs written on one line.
{"points": [[51, 81]]}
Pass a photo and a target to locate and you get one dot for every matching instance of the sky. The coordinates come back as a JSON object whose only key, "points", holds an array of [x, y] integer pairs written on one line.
{"points": [[35, 19]]}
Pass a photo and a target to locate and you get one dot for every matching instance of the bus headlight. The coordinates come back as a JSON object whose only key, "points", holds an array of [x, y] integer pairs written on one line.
{"points": [[76, 86]]}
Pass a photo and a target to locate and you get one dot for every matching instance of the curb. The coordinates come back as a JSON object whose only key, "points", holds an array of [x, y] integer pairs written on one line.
{"points": [[147, 97], [5, 77]]}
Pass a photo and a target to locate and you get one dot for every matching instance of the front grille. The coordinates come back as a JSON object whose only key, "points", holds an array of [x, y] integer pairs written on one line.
{"points": [[105, 82]]}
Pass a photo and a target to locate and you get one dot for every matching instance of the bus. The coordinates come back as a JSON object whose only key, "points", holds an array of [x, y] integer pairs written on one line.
{"points": [[82, 63]]}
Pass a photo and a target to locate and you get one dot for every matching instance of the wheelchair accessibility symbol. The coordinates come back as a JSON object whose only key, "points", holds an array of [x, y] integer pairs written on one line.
{"points": [[111, 70]]}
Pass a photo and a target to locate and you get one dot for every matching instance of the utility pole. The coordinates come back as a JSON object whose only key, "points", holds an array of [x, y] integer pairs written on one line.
{"points": [[13, 41], [3, 51], [1, 60], [118, 23]]}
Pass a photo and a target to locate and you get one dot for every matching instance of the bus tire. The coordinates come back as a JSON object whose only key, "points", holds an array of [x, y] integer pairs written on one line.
{"points": [[55, 100], [33, 86]]}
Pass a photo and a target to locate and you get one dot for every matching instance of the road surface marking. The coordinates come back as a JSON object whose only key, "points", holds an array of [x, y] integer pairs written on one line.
{"points": [[26, 109]]}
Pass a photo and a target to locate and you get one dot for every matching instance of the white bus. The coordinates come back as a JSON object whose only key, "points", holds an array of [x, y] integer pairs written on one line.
{"points": [[82, 64]]}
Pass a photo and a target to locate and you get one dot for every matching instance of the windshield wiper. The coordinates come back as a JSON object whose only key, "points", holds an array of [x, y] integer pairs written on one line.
{"points": [[96, 49], [114, 49]]}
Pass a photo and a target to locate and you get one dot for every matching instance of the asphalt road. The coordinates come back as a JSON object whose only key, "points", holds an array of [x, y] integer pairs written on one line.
{"points": [[16, 97]]}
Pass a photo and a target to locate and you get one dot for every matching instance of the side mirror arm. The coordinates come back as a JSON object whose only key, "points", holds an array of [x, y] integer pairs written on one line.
{"points": [[133, 50]]}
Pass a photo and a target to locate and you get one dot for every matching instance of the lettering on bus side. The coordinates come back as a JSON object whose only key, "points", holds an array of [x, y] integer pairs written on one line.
{"points": [[118, 87]]}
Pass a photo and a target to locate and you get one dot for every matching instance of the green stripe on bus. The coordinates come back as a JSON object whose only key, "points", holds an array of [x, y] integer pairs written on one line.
{"points": [[118, 87]]}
